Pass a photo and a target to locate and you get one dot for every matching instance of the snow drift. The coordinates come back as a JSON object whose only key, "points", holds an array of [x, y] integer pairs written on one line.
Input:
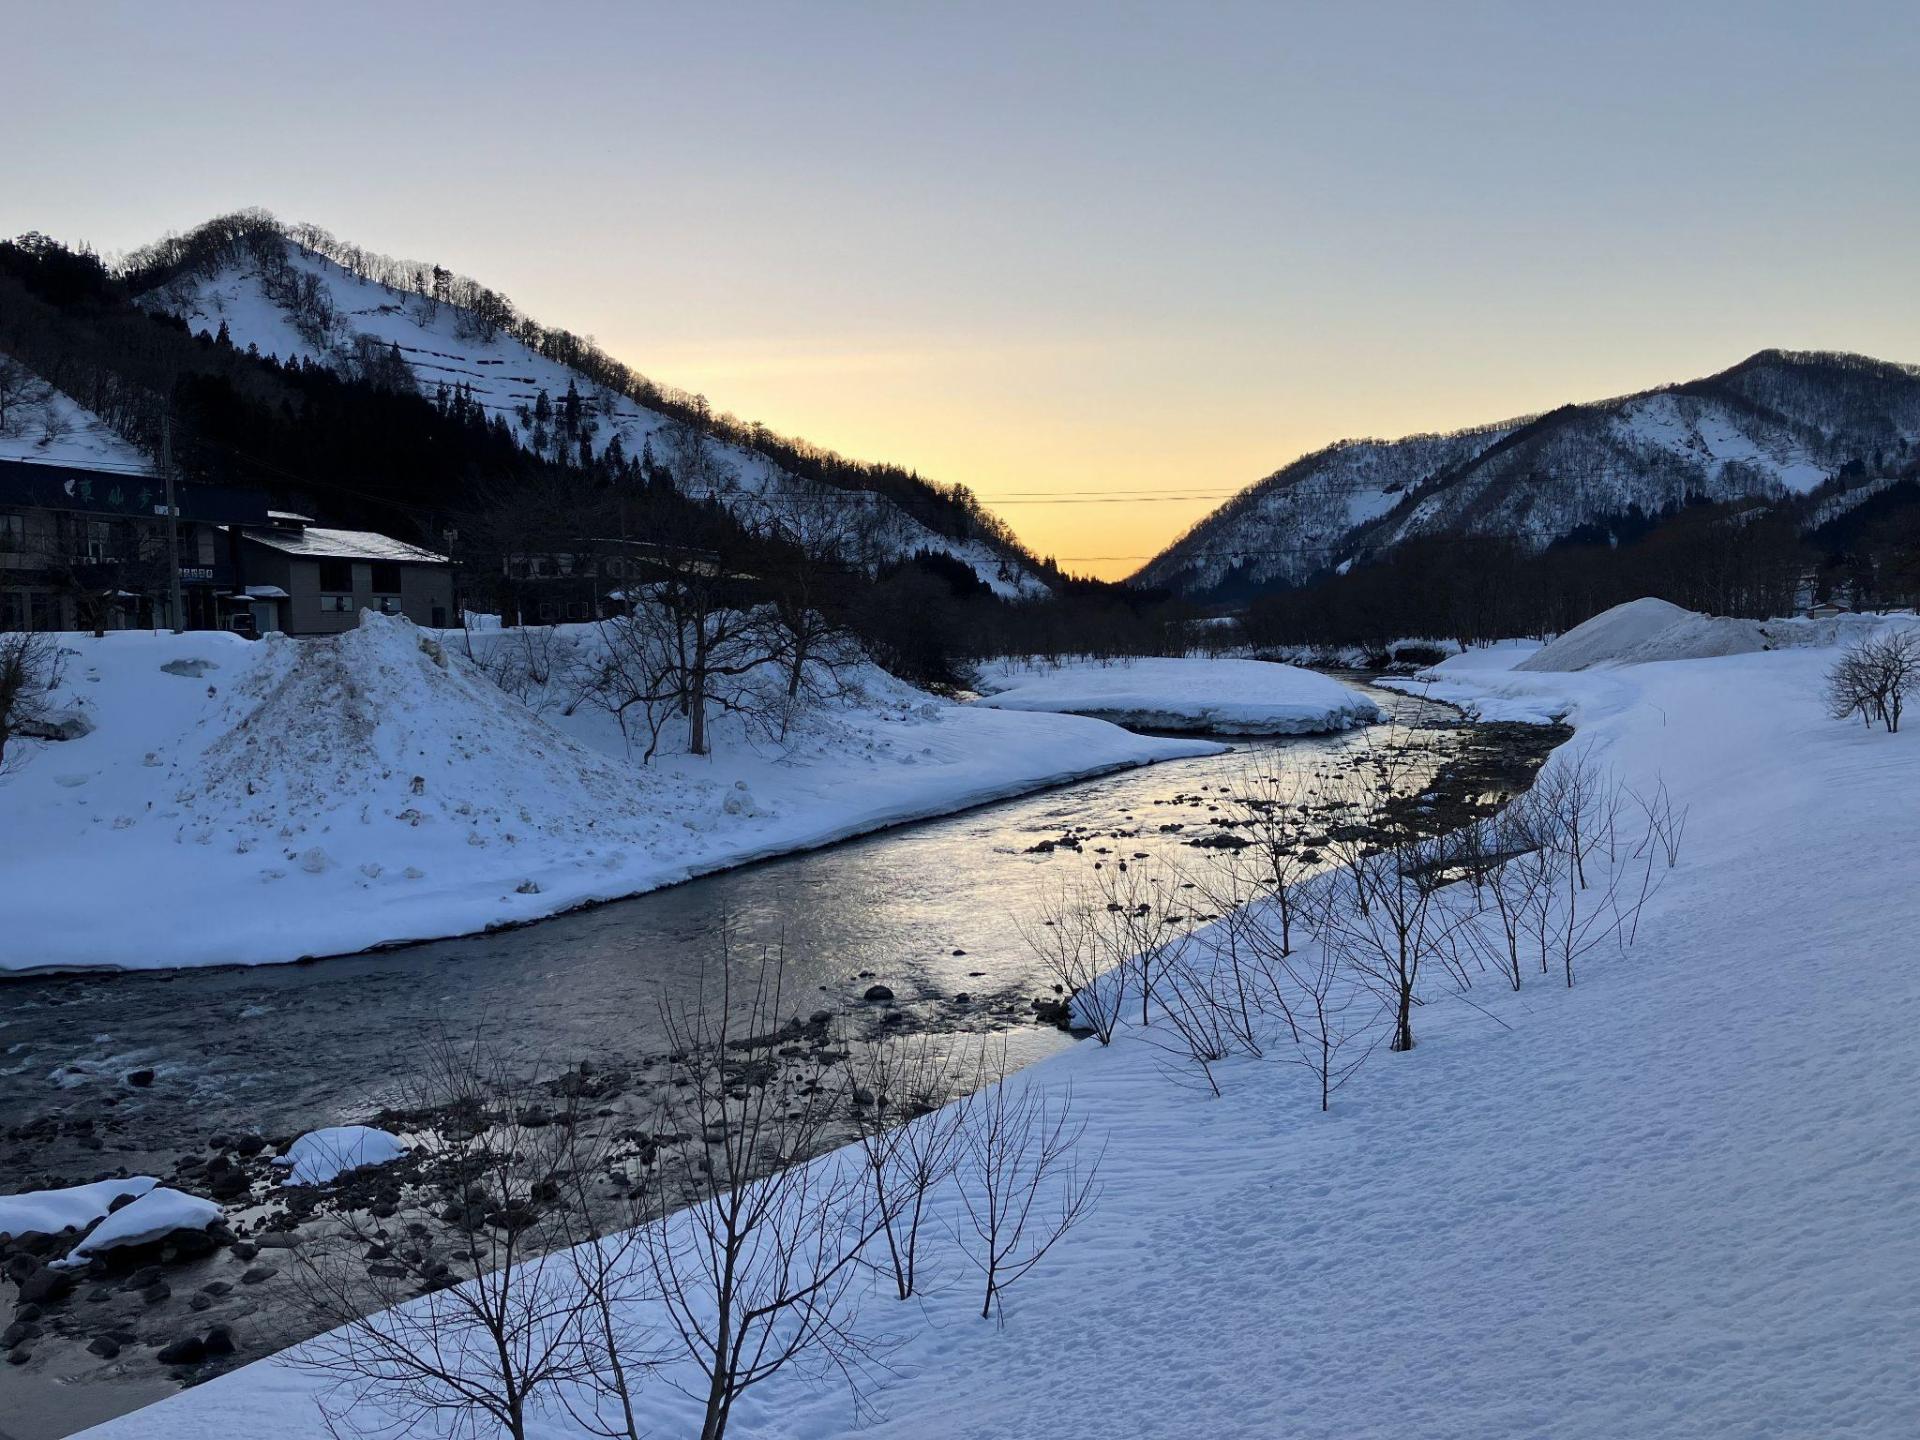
{"points": [[1221, 697], [1645, 630]]}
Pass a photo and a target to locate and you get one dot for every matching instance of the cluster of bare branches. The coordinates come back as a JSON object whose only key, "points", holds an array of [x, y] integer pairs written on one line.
{"points": [[1109, 939], [1340, 916], [29, 674], [541, 1295], [1873, 679]]}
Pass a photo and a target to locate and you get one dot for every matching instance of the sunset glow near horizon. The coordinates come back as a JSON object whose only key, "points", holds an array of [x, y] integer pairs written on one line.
{"points": [[1105, 265]]}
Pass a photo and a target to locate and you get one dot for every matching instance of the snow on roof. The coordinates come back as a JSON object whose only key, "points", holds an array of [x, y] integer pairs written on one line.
{"points": [[267, 592], [292, 517], [321, 544]]}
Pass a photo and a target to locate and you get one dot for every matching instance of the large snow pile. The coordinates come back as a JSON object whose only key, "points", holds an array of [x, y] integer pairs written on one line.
{"points": [[323, 1155], [1609, 636], [154, 1216], [1646, 630], [247, 802], [48, 1212], [1677, 1199], [1223, 697]]}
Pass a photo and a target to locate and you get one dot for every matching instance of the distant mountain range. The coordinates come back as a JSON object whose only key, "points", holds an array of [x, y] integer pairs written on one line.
{"points": [[1822, 431]]}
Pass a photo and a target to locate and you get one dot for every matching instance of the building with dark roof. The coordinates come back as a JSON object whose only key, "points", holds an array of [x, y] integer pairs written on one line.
{"points": [[85, 549], [306, 579]]}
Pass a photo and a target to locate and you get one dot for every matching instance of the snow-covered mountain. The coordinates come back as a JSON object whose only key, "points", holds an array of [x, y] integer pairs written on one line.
{"points": [[1779, 424], [286, 298]]}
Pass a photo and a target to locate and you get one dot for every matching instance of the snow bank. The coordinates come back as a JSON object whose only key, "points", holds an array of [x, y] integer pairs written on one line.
{"points": [[1675, 1200], [48, 1212], [1608, 636], [1222, 697], [317, 797], [323, 1155], [1647, 630], [154, 1216]]}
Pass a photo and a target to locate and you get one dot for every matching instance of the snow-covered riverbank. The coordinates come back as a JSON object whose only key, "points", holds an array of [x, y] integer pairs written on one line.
{"points": [[1205, 696], [240, 803], [1676, 1199]]}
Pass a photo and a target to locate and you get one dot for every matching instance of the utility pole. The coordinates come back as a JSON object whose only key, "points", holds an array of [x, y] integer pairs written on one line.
{"points": [[173, 525]]}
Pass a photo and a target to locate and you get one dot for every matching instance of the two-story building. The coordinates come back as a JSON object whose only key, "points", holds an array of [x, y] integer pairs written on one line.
{"points": [[307, 579], [86, 549]]}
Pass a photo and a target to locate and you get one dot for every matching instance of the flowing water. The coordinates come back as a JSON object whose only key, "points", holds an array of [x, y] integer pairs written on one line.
{"points": [[933, 911]]}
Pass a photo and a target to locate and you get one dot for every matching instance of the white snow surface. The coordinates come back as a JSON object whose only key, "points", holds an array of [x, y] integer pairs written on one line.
{"points": [[1216, 696], [441, 347], [1644, 630], [320, 796], [52, 428], [156, 1214], [1675, 1200], [48, 1212], [320, 1156]]}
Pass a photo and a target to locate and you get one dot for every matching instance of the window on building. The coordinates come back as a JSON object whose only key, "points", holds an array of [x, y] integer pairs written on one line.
{"points": [[336, 604], [96, 540], [386, 578], [389, 604], [13, 532], [336, 575]]}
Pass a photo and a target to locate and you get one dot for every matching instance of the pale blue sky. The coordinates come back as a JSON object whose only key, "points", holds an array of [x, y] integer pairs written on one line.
{"points": [[1046, 247]]}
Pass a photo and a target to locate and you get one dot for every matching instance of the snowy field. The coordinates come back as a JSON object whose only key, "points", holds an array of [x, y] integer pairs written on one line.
{"points": [[1219, 697], [1678, 1199], [243, 802]]}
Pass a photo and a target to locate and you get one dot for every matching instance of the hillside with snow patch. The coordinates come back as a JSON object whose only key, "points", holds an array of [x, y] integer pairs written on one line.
{"points": [[1777, 426], [275, 295]]}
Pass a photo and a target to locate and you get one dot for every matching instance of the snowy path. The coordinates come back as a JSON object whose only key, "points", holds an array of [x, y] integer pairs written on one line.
{"points": [[1677, 1200]]}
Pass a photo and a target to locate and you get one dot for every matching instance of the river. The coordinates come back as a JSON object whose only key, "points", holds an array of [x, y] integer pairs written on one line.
{"points": [[932, 910]]}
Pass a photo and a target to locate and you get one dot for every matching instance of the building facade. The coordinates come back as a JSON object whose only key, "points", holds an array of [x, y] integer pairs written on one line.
{"points": [[305, 579], [87, 549]]}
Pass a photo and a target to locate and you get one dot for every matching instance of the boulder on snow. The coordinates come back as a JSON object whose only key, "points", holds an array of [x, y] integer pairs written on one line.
{"points": [[321, 1155], [70, 725], [158, 1215], [54, 1212], [879, 992]]}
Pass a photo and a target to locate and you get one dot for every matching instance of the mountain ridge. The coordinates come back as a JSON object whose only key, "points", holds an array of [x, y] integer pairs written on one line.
{"points": [[1753, 430]]}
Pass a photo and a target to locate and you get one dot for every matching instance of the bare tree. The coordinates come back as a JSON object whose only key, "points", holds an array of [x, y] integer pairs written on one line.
{"points": [[1272, 807], [909, 1135], [1023, 1184], [1397, 915], [1068, 939], [29, 674], [433, 1337], [21, 392], [761, 1273], [1874, 678]]}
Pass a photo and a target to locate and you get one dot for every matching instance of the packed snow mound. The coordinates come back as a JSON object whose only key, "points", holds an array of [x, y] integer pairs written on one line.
{"points": [[398, 729], [320, 1156], [1218, 697], [1608, 636], [154, 1216], [1642, 631], [49, 1212]]}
